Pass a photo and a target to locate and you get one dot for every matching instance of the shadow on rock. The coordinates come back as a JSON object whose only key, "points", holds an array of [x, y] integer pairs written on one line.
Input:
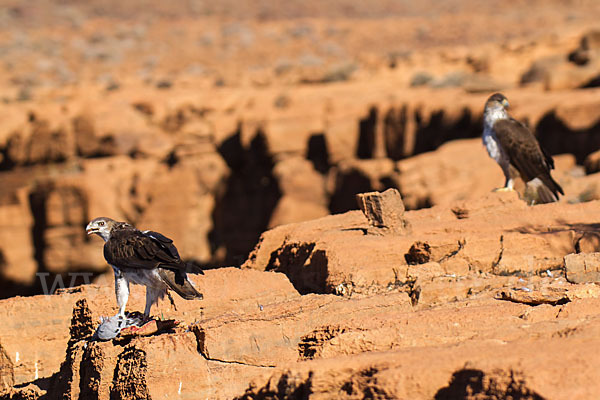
{"points": [[243, 212], [474, 383]]}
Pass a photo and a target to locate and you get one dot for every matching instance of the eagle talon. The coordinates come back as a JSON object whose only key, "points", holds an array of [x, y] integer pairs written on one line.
{"points": [[503, 189]]}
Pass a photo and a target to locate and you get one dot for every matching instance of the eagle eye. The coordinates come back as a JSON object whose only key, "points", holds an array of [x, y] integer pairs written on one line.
{"points": [[101, 223]]}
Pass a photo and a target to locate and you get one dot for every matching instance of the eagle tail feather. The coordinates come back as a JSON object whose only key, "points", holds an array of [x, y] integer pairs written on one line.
{"points": [[178, 282], [542, 190], [552, 185], [545, 195]]}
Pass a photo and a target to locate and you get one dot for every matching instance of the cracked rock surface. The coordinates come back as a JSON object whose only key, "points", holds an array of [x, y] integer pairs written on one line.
{"points": [[478, 304]]}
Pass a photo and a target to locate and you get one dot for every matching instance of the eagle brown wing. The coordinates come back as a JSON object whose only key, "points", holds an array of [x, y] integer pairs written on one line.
{"points": [[164, 242], [525, 153], [130, 248]]}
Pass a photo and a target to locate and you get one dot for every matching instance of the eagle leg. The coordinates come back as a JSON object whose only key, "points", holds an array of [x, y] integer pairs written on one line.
{"points": [[509, 183], [508, 187], [121, 292], [152, 296]]}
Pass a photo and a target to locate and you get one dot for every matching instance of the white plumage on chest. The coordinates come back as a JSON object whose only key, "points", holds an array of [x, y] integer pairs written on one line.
{"points": [[493, 147], [489, 137]]}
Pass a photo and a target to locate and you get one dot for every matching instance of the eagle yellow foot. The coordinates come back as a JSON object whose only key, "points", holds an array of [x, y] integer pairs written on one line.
{"points": [[504, 189]]}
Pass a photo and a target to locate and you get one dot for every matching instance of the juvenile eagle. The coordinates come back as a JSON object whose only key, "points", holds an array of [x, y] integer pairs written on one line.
{"points": [[142, 257], [512, 144]]}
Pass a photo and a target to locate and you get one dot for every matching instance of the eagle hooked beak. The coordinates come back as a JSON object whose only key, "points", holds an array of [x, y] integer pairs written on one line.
{"points": [[505, 103], [90, 229]]}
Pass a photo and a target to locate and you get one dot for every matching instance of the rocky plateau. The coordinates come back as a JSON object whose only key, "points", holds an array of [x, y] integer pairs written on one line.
{"points": [[322, 163]]}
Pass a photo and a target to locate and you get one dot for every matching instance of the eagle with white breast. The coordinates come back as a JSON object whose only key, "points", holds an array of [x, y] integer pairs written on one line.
{"points": [[515, 148], [143, 257]]}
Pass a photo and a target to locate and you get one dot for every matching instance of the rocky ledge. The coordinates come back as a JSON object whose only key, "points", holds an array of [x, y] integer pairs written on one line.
{"points": [[485, 297]]}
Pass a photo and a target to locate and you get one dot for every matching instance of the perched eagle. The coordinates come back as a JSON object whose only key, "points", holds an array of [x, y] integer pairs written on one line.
{"points": [[145, 258], [513, 146]]}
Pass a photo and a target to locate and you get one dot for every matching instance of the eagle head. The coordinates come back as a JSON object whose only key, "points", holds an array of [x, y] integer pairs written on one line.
{"points": [[497, 100], [102, 227], [495, 109]]}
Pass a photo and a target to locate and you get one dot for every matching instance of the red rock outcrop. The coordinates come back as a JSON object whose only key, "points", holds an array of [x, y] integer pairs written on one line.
{"points": [[496, 234], [447, 304]]}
